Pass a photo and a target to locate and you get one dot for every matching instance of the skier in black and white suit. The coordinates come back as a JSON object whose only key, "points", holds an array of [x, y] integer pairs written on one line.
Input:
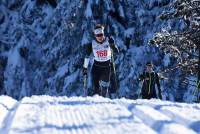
{"points": [[102, 49]]}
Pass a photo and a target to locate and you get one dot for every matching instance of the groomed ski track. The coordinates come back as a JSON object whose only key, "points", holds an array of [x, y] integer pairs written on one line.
{"points": [[96, 115]]}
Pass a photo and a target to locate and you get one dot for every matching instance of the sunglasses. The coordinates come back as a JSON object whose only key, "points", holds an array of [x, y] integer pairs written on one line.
{"points": [[98, 35]]}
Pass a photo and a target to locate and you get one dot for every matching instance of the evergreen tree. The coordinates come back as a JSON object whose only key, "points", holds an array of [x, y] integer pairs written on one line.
{"points": [[185, 44]]}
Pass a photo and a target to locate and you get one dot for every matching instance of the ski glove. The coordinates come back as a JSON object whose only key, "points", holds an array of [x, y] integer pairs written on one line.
{"points": [[84, 71], [111, 40]]}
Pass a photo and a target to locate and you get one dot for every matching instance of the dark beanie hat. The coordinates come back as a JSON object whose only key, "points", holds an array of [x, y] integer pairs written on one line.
{"points": [[149, 64]]}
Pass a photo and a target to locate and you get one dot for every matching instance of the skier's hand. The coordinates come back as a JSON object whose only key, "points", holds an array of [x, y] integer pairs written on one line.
{"points": [[111, 40], [84, 71]]}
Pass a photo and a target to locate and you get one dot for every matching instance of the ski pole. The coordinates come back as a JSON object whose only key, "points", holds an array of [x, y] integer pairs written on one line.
{"points": [[85, 84]]}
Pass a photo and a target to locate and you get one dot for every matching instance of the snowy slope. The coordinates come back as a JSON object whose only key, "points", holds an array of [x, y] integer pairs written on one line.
{"points": [[41, 45], [96, 115]]}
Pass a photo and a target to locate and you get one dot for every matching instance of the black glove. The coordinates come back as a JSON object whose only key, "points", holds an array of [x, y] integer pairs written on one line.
{"points": [[84, 71], [111, 40]]}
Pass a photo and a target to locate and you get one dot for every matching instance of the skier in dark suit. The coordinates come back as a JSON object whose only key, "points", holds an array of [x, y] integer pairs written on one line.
{"points": [[149, 80]]}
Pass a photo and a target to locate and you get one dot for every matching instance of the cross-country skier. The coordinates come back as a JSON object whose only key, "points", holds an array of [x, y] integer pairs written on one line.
{"points": [[149, 79], [102, 48]]}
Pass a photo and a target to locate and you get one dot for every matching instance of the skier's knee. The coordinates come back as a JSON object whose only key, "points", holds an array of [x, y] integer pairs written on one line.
{"points": [[104, 84], [104, 88]]}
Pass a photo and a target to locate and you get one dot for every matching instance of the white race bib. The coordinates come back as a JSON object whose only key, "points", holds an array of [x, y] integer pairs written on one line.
{"points": [[102, 52]]}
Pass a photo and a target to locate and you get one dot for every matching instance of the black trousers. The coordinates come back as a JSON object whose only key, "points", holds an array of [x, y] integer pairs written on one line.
{"points": [[100, 73], [148, 93], [148, 96]]}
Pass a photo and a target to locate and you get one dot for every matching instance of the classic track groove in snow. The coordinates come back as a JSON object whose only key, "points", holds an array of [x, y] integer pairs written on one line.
{"points": [[96, 115], [11, 108]]}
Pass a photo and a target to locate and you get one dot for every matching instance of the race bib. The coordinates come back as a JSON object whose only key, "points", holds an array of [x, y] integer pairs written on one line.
{"points": [[102, 52]]}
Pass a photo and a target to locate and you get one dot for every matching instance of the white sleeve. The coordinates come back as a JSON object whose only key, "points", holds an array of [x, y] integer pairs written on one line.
{"points": [[86, 62]]}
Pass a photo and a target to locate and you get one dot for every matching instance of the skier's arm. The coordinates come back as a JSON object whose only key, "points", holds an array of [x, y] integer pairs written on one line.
{"points": [[87, 52], [88, 49], [113, 45], [158, 85], [141, 77]]}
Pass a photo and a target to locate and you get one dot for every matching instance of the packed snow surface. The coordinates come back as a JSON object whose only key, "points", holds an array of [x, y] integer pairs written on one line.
{"points": [[96, 115]]}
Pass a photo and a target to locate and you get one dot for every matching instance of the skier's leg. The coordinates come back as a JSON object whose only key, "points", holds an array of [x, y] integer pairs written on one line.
{"points": [[104, 85], [104, 82], [148, 97], [144, 96], [95, 80], [154, 94]]}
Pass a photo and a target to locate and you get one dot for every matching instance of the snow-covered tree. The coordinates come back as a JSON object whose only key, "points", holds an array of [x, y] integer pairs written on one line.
{"points": [[41, 41], [183, 45]]}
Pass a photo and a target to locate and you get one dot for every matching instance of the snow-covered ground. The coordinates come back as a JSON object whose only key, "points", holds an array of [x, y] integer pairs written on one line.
{"points": [[96, 115]]}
